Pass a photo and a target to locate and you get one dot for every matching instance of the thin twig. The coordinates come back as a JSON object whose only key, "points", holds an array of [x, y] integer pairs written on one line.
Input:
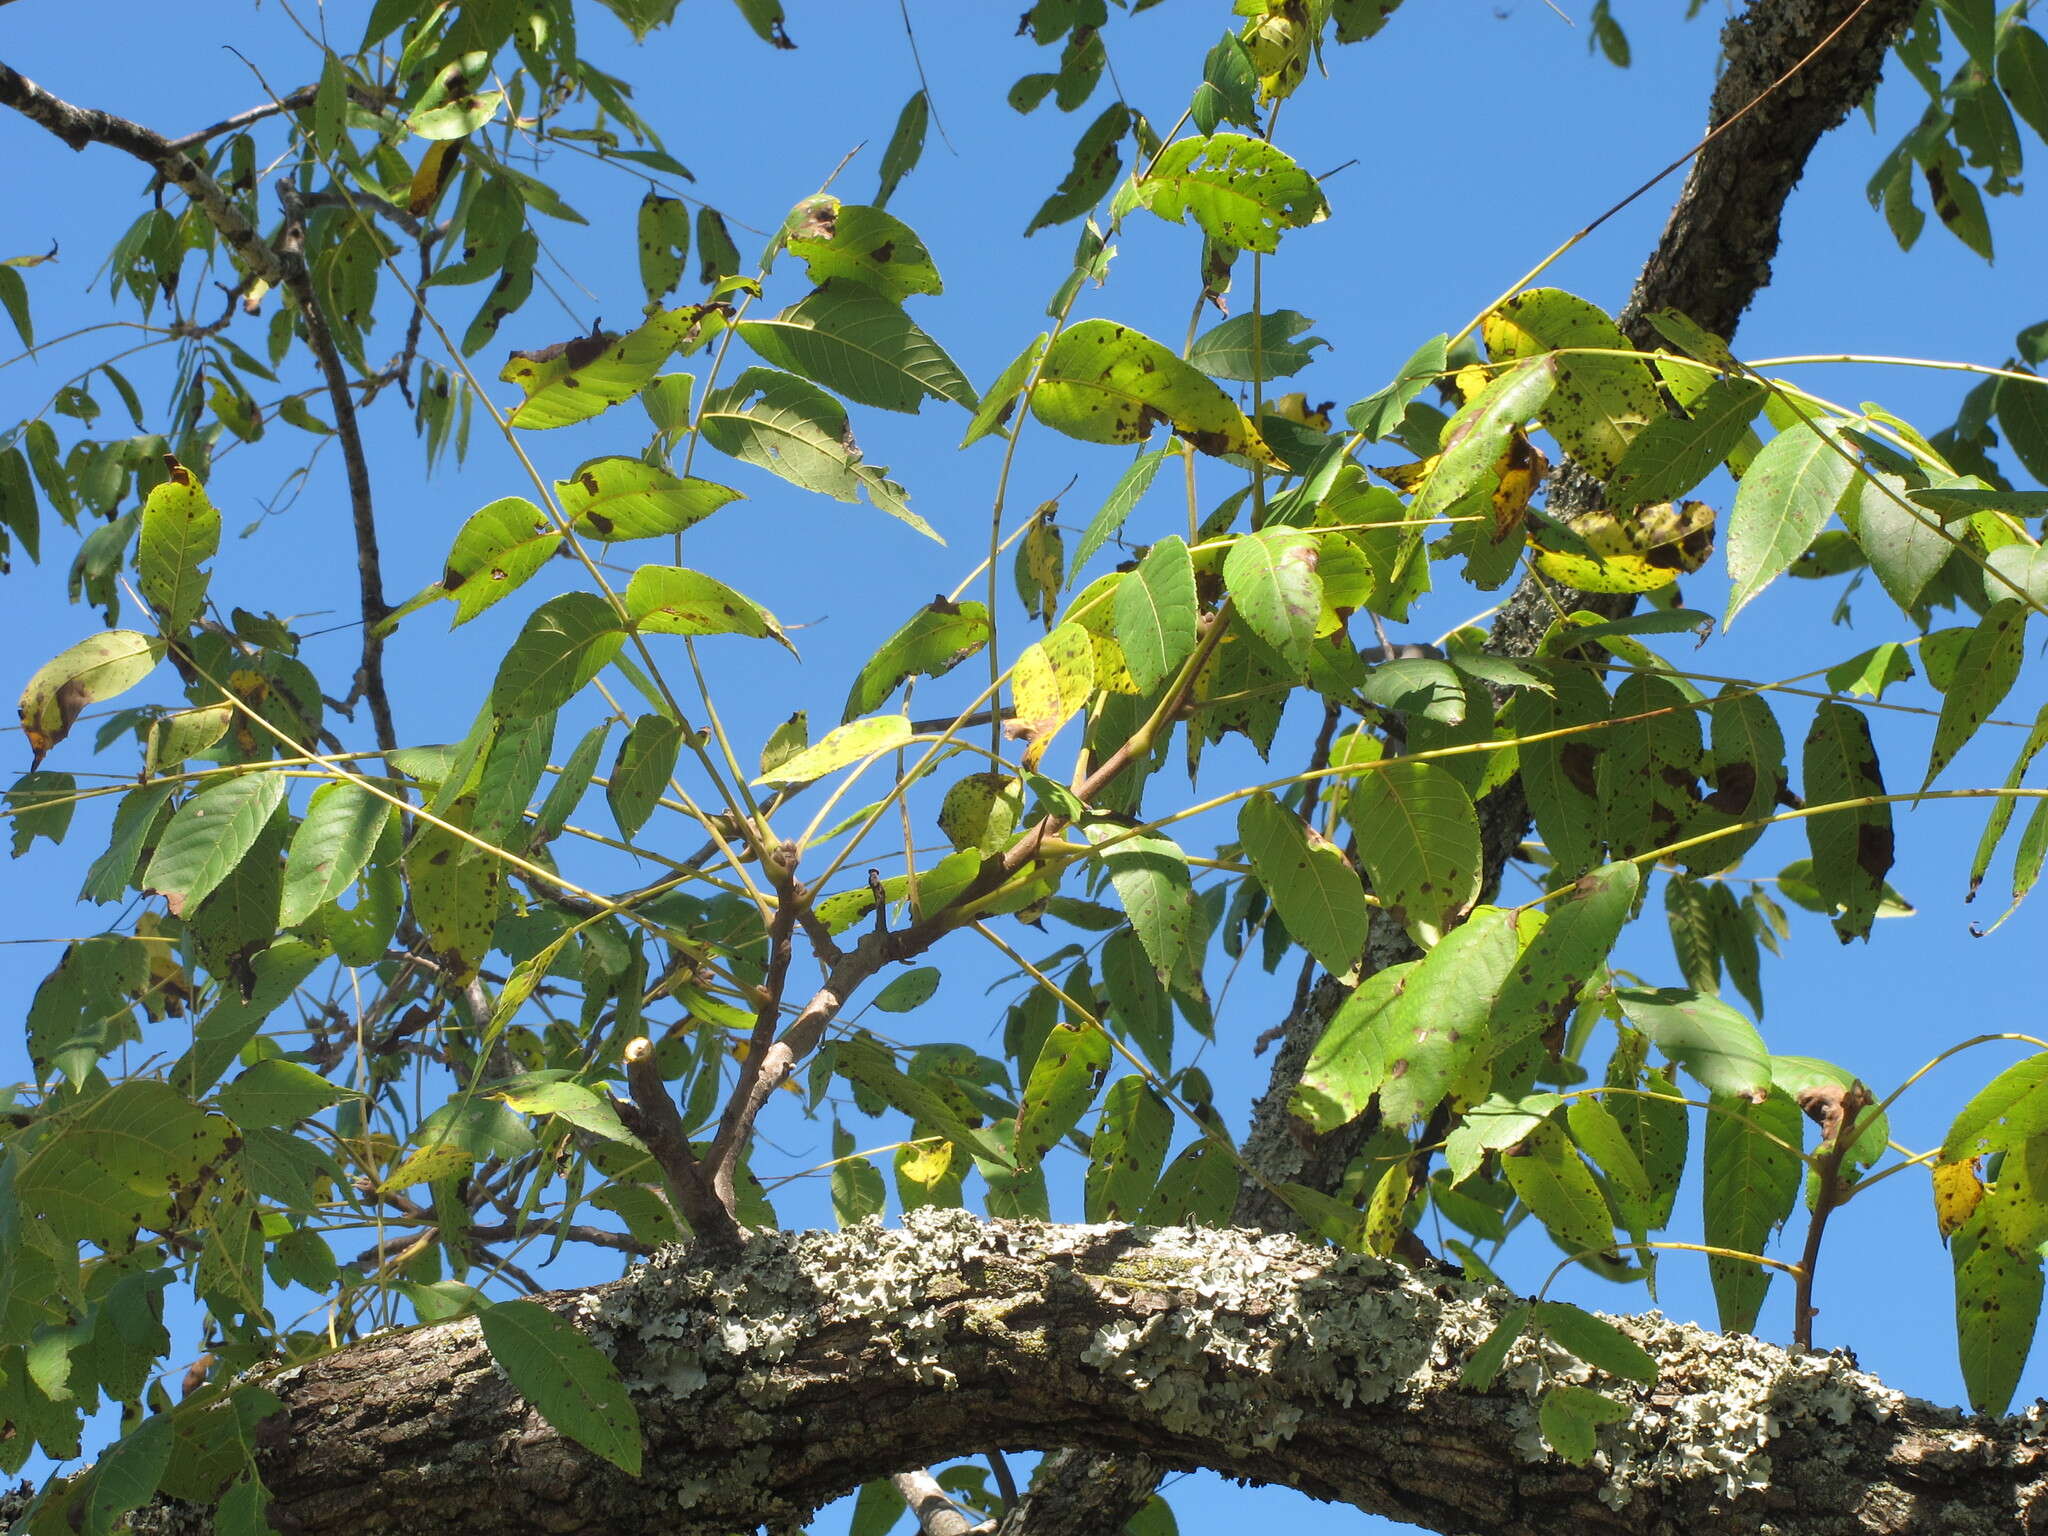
{"points": [[1840, 1106]]}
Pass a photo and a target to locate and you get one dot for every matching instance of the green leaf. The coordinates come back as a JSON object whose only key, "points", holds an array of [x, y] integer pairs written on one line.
{"points": [[1256, 347], [1156, 613], [1571, 1416], [1478, 436], [865, 245], [572, 381], [1123, 497], [670, 600], [581, 1107], [129, 1472], [1484, 1367], [1747, 770], [857, 1189], [664, 243], [567, 790], [1105, 383], [1599, 1134], [180, 533], [1985, 673], [938, 638], [1272, 577], [1702, 1034], [611, 499], [117, 1162], [1596, 1341], [1001, 399], [1600, 403], [1998, 1302], [1903, 543], [854, 341], [210, 835], [1150, 876], [1138, 1004], [1750, 1187], [330, 848], [565, 643], [791, 428], [981, 812], [1852, 847], [848, 744], [1493, 1125], [640, 773], [1409, 1032], [97, 668], [1380, 412], [574, 1386], [503, 543], [1418, 838], [280, 1093], [906, 145], [1547, 1175], [1242, 191], [1097, 161], [1671, 455], [1784, 499], [1126, 1150], [1309, 881], [1060, 1089], [2006, 1112], [455, 891], [912, 989], [14, 296], [865, 1064], [2022, 65]]}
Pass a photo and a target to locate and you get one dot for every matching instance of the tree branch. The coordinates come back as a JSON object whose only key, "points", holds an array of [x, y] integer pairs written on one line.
{"points": [[783, 1375], [285, 268]]}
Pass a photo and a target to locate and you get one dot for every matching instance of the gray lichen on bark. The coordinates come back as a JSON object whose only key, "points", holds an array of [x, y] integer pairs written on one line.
{"points": [[773, 1379]]}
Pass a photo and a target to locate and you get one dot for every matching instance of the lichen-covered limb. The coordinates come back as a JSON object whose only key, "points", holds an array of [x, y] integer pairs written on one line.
{"points": [[789, 1373]]}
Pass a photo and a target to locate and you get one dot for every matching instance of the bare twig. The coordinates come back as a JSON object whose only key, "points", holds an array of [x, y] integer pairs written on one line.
{"points": [[1836, 1109]]}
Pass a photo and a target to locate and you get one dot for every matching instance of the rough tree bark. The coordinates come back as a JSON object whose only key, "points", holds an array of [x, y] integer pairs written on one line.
{"points": [[787, 1374]]}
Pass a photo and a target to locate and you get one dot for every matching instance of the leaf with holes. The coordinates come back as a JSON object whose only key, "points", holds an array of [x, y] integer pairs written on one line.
{"points": [[938, 638], [1751, 1184], [1105, 383], [1242, 191]]}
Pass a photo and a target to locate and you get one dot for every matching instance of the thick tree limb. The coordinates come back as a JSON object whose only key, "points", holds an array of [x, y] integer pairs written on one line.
{"points": [[775, 1379]]}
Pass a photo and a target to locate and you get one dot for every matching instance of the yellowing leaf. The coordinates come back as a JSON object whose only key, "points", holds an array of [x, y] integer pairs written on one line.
{"points": [[848, 744], [1957, 1191], [96, 668], [1052, 680], [1105, 383], [1639, 551]]}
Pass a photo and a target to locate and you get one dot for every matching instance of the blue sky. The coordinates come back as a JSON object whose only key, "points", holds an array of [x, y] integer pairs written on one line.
{"points": [[1473, 138]]}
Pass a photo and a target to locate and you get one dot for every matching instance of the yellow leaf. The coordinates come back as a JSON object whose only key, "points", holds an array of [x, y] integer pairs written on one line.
{"points": [[1638, 552], [1052, 679], [1957, 1191]]}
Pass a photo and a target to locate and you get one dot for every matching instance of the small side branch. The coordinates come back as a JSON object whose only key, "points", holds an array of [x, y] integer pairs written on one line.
{"points": [[655, 1120], [285, 268], [1836, 1109]]}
